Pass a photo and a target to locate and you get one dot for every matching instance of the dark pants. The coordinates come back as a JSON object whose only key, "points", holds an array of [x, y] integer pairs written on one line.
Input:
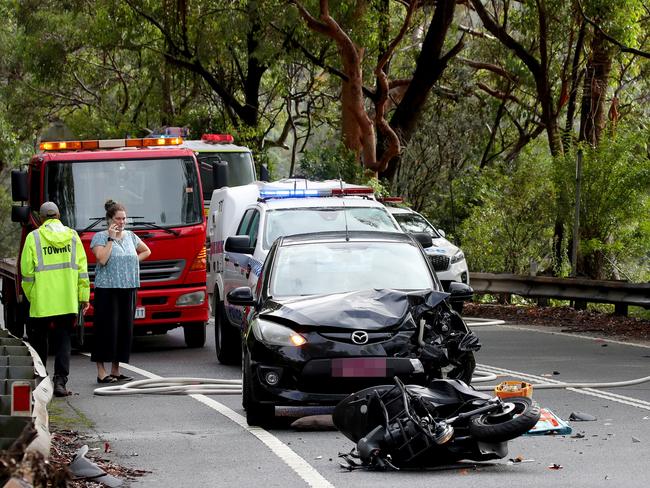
{"points": [[113, 324], [38, 329]]}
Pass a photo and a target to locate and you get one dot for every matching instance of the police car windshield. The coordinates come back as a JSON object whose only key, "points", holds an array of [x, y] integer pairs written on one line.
{"points": [[317, 268], [293, 221], [412, 222], [162, 191]]}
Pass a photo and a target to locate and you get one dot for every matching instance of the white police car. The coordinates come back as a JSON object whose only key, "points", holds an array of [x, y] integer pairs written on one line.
{"points": [[446, 259]]}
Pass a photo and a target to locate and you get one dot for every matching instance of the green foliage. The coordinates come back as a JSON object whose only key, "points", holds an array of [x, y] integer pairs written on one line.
{"points": [[615, 203], [331, 162], [12, 155], [510, 221]]}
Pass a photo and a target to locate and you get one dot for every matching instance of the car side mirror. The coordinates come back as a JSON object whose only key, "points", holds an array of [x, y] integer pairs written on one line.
{"points": [[423, 238], [241, 296], [441, 232], [239, 245], [460, 292]]}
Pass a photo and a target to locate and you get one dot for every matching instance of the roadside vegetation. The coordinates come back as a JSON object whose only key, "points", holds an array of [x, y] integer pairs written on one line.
{"points": [[475, 112]]}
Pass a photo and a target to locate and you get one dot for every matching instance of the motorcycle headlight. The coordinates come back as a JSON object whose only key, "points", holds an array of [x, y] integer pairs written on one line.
{"points": [[459, 256], [276, 334]]}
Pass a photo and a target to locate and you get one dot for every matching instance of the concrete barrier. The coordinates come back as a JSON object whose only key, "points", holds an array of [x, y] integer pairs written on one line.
{"points": [[19, 363]]}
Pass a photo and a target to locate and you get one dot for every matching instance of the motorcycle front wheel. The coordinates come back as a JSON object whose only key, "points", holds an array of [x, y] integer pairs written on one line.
{"points": [[501, 426]]}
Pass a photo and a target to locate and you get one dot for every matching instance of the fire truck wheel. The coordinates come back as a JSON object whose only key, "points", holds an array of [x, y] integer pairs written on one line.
{"points": [[227, 339], [12, 320], [194, 334]]}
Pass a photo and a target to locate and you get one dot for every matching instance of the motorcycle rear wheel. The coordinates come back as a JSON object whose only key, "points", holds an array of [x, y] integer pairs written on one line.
{"points": [[501, 428]]}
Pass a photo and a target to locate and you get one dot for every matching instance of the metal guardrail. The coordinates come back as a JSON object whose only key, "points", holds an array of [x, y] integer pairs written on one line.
{"points": [[620, 293]]}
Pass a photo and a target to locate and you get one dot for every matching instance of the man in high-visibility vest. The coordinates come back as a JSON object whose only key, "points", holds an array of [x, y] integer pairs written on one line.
{"points": [[55, 280]]}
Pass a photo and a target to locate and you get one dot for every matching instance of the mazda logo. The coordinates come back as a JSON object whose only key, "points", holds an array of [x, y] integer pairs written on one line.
{"points": [[359, 337]]}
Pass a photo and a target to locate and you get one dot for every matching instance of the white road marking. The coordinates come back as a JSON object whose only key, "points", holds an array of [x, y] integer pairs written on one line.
{"points": [[625, 400], [301, 467]]}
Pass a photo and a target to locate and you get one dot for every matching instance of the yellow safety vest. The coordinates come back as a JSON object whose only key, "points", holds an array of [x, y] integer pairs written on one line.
{"points": [[54, 270]]}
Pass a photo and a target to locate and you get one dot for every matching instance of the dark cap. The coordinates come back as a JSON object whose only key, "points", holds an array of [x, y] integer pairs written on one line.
{"points": [[49, 209]]}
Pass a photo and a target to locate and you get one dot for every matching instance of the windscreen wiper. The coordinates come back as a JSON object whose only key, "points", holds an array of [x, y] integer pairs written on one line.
{"points": [[92, 225], [153, 225]]}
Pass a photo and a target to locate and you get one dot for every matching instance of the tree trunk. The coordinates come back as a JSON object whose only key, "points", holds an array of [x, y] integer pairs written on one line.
{"points": [[430, 65], [594, 93]]}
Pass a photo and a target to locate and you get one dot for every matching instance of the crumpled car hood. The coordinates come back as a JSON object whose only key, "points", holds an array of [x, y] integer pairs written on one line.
{"points": [[363, 310]]}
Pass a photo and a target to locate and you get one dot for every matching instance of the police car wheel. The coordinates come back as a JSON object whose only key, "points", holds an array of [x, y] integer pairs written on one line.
{"points": [[227, 339]]}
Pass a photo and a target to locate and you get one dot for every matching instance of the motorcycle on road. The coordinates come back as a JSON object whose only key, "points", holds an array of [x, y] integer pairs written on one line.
{"points": [[409, 426]]}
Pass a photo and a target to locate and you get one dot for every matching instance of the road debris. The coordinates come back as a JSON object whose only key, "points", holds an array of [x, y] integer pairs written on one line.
{"points": [[549, 424], [314, 422], [83, 468], [581, 417], [520, 459]]}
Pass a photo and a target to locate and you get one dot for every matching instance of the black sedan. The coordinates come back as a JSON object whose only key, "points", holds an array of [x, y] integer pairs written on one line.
{"points": [[337, 312]]}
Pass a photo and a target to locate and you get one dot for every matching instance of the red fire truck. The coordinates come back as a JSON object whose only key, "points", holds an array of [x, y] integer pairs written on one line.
{"points": [[161, 189]]}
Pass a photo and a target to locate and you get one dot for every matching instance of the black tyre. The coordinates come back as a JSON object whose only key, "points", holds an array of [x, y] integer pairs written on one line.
{"points": [[194, 334], [13, 320], [258, 414], [227, 339], [502, 426]]}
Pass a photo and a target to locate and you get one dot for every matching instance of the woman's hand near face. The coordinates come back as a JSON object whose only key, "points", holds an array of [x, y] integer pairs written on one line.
{"points": [[113, 231]]}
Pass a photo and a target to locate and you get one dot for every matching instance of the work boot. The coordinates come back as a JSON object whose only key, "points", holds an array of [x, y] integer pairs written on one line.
{"points": [[59, 386]]}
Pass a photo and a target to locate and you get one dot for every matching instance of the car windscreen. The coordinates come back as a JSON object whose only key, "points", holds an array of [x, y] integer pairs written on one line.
{"points": [[316, 268], [240, 170], [412, 222], [286, 222], [165, 192]]}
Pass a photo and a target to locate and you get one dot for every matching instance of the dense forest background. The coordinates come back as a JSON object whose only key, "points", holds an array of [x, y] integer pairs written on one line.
{"points": [[474, 111]]}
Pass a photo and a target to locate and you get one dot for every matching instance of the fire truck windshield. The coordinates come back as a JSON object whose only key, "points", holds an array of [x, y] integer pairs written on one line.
{"points": [[240, 169], [165, 192]]}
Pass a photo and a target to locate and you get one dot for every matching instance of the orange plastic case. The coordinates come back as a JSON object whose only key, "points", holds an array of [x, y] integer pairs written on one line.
{"points": [[509, 389]]}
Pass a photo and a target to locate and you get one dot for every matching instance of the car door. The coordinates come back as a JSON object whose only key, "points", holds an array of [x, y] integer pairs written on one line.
{"points": [[236, 266]]}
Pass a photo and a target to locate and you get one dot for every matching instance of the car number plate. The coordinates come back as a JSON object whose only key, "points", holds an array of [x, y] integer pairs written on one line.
{"points": [[359, 367], [139, 312]]}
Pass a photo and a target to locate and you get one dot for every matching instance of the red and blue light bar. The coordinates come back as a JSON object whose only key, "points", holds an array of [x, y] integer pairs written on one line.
{"points": [[313, 192]]}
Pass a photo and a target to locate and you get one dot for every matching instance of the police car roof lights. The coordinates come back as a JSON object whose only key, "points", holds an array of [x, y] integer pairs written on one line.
{"points": [[270, 192], [297, 193]]}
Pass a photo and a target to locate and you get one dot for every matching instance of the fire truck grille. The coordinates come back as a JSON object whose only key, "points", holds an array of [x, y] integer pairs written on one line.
{"points": [[439, 262], [153, 270]]}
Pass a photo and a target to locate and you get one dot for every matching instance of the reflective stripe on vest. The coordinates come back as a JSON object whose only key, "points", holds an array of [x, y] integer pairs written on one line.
{"points": [[28, 278], [40, 263]]}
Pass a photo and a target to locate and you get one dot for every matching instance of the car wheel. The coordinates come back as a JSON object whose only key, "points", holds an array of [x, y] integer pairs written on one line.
{"points": [[227, 339], [194, 334], [258, 414]]}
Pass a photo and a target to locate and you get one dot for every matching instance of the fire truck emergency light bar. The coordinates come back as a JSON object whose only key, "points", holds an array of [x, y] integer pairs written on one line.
{"points": [[218, 138], [109, 144], [302, 193]]}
